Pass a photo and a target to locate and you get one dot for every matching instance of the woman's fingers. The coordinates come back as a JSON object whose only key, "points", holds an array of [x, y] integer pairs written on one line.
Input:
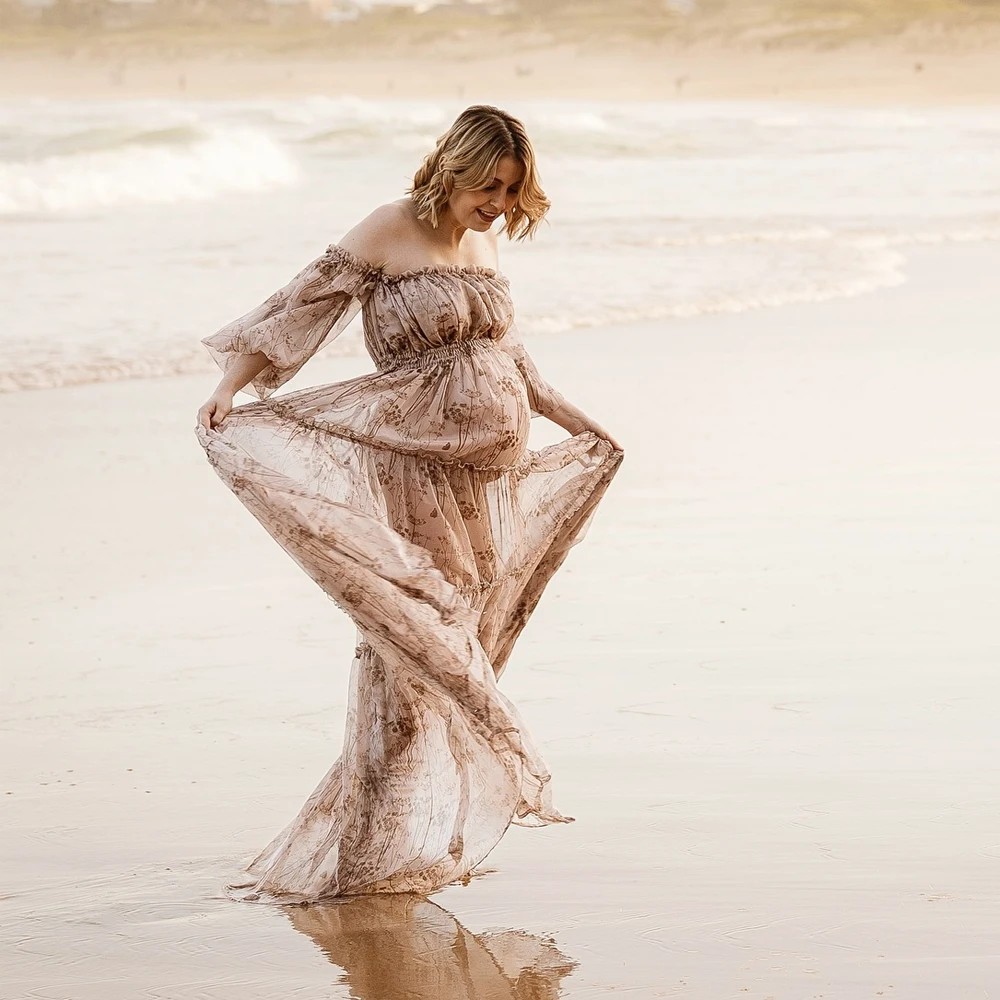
{"points": [[211, 414], [214, 411], [611, 441], [602, 433]]}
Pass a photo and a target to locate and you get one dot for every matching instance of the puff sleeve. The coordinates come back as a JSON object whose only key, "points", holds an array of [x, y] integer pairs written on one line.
{"points": [[542, 397], [298, 320]]}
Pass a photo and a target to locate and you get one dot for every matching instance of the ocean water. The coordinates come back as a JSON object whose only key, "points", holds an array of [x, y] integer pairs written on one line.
{"points": [[131, 229]]}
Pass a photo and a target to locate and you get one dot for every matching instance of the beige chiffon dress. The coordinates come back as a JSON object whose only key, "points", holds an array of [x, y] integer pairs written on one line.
{"points": [[410, 496]]}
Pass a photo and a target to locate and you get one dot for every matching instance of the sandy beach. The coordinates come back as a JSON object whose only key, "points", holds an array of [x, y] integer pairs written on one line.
{"points": [[890, 51], [925, 69], [765, 683]]}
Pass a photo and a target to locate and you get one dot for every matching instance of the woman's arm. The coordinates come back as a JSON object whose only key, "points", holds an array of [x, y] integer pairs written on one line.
{"points": [[546, 401], [270, 344], [552, 405], [244, 369]]}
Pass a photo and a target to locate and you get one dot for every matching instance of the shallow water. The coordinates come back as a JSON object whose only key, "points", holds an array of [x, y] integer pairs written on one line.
{"points": [[158, 934], [133, 228]]}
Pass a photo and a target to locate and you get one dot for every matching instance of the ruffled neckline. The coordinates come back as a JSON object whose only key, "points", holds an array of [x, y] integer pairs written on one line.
{"points": [[359, 263]]}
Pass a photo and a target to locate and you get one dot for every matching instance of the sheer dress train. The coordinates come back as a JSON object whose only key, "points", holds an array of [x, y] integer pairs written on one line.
{"points": [[410, 496]]}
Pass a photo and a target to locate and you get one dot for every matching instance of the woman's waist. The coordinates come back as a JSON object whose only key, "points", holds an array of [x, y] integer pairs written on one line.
{"points": [[429, 356]]}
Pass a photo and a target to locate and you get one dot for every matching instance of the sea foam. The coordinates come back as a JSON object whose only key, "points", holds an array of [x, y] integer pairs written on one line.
{"points": [[152, 167], [141, 227]]}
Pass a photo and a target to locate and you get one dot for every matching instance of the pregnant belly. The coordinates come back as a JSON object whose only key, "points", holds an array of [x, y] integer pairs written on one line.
{"points": [[463, 406]]}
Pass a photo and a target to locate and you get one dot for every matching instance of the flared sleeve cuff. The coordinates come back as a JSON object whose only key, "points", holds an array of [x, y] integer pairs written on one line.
{"points": [[298, 320]]}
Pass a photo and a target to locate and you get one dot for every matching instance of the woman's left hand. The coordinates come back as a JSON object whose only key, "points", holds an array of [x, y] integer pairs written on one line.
{"points": [[602, 433]]}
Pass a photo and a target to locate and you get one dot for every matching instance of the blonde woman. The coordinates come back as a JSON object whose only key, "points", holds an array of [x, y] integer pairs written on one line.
{"points": [[410, 497]]}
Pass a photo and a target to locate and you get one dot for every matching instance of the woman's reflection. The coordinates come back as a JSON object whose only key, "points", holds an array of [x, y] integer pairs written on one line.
{"points": [[403, 947]]}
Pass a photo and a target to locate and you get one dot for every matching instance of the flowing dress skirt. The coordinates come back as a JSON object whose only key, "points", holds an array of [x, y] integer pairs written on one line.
{"points": [[410, 497]]}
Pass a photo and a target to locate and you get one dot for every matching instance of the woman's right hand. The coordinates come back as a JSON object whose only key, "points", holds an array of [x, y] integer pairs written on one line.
{"points": [[215, 409]]}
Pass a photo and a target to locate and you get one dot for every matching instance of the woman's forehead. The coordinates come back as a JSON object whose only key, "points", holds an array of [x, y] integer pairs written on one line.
{"points": [[509, 170]]}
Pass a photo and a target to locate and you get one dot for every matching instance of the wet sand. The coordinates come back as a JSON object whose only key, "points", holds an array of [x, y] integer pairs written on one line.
{"points": [[765, 683]]}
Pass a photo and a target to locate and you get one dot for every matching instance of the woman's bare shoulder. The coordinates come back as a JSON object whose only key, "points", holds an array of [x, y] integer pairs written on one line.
{"points": [[375, 236]]}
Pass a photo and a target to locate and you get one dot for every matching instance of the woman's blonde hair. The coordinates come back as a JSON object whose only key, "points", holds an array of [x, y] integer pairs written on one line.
{"points": [[465, 159]]}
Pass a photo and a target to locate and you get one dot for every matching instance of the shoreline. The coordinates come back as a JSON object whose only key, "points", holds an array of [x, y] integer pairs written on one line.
{"points": [[348, 349]]}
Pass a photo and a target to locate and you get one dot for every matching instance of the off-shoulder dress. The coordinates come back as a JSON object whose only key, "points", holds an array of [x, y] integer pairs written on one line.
{"points": [[410, 496]]}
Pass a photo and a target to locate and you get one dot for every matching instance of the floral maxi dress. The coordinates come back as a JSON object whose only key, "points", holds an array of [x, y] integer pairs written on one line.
{"points": [[410, 496]]}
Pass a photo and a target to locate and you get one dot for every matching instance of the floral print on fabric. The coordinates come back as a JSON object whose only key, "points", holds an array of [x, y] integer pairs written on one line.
{"points": [[410, 496]]}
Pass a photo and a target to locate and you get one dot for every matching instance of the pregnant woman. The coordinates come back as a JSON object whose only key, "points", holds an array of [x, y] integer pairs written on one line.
{"points": [[410, 496]]}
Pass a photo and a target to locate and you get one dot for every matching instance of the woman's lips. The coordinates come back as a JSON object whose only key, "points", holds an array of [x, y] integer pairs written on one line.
{"points": [[485, 217]]}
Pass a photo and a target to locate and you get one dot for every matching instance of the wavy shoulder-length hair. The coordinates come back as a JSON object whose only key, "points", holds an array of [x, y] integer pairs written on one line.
{"points": [[465, 159]]}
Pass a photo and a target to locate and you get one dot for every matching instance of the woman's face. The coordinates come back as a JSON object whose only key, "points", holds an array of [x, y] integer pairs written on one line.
{"points": [[479, 209]]}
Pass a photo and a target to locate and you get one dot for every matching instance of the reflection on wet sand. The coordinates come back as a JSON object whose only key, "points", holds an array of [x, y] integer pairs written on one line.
{"points": [[404, 947]]}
